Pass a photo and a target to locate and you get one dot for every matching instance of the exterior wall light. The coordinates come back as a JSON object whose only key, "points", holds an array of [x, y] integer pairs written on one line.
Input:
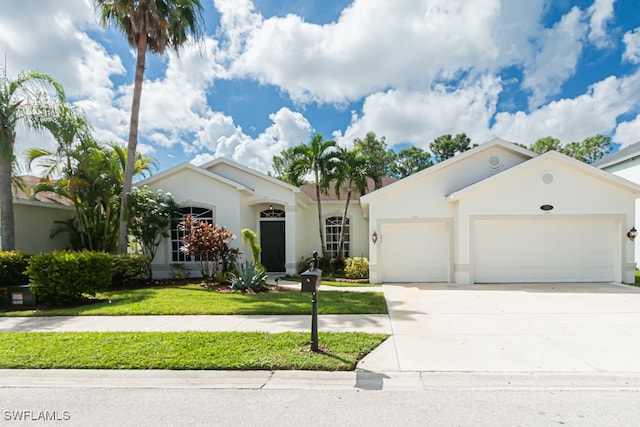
{"points": [[270, 207], [632, 234], [374, 237]]}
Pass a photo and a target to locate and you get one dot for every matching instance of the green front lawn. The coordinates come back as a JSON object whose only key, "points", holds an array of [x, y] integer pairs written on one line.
{"points": [[193, 299], [183, 350], [637, 277]]}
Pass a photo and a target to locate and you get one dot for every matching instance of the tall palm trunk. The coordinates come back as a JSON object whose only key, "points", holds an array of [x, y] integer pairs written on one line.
{"points": [[342, 225], [8, 238], [133, 141], [322, 240]]}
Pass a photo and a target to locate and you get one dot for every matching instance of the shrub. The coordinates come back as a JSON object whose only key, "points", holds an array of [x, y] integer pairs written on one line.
{"points": [[356, 268], [63, 277], [12, 268], [130, 269], [250, 276], [209, 245]]}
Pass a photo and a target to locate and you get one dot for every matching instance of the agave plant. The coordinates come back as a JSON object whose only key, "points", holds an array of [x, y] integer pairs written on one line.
{"points": [[250, 276]]}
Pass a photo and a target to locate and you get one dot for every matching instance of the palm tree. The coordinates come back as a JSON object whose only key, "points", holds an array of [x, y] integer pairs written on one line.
{"points": [[24, 100], [155, 25], [93, 183], [282, 167], [352, 175], [319, 158], [69, 130]]}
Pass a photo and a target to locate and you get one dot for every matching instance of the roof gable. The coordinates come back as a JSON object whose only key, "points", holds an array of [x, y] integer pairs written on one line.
{"points": [[566, 160], [189, 167], [218, 162], [462, 157]]}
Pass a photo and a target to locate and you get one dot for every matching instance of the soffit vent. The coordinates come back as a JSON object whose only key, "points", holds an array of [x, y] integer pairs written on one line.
{"points": [[547, 177], [494, 162]]}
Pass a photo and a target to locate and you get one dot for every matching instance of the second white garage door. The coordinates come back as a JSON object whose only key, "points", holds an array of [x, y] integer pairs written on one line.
{"points": [[414, 252], [545, 250]]}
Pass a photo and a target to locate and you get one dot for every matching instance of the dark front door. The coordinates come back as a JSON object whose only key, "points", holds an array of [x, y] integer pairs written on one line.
{"points": [[272, 244]]}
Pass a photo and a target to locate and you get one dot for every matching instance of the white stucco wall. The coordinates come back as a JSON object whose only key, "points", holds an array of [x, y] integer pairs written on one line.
{"points": [[422, 197], [573, 194], [190, 188]]}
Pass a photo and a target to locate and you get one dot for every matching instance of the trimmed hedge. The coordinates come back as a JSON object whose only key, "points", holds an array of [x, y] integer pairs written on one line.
{"points": [[12, 268], [63, 277], [356, 268], [130, 270]]}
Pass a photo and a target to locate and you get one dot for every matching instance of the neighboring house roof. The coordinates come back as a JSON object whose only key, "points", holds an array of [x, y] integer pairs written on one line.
{"points": [[569, 161], [310, 190], [43, 196], [627, 153], [188, 166], [457, 158]]}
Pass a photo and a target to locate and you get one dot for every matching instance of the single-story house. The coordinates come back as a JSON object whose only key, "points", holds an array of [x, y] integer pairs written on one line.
{"points": [[283, 216], [496, 213], [626, 164]]}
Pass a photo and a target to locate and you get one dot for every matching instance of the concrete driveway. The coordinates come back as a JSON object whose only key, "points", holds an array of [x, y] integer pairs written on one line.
{"points": [[562, 327]]}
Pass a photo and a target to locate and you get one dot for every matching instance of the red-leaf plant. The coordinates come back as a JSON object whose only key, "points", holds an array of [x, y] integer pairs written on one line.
{"points": [[209, 245]]}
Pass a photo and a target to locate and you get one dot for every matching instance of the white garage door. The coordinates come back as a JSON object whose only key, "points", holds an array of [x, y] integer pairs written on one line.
{"points": [[549, 250], [414, 252]]}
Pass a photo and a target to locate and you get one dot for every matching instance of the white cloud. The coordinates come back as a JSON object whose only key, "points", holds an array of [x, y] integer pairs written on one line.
{"points": [[628, 132], [573, 119], [378, 44], [422, 68], [631, 41], [557, 58], [601, 13], [50, 37], [223, 138], [238, 20], [420, 116]]}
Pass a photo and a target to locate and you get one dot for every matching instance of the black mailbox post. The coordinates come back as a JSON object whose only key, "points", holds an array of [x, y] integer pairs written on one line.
{"points": [[311, 280]]}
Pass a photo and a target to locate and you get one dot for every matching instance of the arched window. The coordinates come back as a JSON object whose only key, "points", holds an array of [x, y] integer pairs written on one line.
{"points": [[272, 213], [201, 214], [332, 235]]}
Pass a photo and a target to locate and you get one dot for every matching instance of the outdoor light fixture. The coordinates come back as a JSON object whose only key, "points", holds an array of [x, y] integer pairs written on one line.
{"points": [[270, 207], [632, 234], [374, 237]]}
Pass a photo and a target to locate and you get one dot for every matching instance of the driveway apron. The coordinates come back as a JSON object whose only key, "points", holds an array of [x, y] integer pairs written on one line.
{"points": [[559, 327]]}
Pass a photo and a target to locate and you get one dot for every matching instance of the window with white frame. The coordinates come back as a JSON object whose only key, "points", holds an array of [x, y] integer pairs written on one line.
{"points": [[201, 214], [332, 236]]}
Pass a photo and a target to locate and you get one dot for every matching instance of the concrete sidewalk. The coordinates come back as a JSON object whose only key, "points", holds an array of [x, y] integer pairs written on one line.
{"points": [[373, 323]]}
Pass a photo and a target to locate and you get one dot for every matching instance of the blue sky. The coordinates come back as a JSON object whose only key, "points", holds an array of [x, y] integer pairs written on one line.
{"points": [[270, 74]]}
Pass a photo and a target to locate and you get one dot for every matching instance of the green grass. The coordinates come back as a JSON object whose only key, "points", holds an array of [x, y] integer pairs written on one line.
{"points": [[183, 350], [193, 299], [637, 277]]}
